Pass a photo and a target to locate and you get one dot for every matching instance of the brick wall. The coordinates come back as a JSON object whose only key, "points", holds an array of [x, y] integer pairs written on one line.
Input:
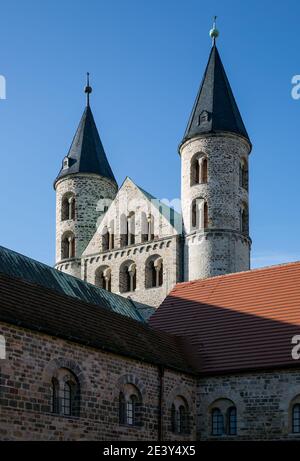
{"points": [[221, 248], [263, 401], [25, 391], [87, 190]]}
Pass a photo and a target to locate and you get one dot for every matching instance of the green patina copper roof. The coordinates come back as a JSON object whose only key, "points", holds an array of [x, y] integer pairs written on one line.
{"points": [[22, 267]]}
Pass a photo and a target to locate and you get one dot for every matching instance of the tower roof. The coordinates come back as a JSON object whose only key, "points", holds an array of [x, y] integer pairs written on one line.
{"points": [[215, 109], [86, 154]]}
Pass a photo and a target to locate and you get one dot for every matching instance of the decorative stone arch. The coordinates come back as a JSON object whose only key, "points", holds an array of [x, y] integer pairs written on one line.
{"points": [[198, 169], [231, 397], [130, 396], [222, 403], [68, 245], [131, 228], [127, 276], [61, 376], [199, 213], [103, 277], [147, 227], [130, 378], [179, 397], [154, 269], [68, 206], [62, 362], [123, 231], [180, 391]]}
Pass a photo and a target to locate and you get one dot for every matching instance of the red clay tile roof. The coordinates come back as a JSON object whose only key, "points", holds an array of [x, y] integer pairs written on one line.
{"points": [[41, 309], [241, 321]]}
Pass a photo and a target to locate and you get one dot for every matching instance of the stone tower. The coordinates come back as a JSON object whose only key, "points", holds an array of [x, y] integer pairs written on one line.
{"points": [[214, 179], [84, 188]]}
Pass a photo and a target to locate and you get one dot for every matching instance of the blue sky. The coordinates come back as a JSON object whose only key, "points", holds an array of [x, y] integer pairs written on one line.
{"points": [[146, 60]]}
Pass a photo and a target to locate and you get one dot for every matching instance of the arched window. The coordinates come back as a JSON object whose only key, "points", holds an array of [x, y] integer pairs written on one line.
{"points": [[127, 278], [65, 393], [131, 410], [105, 239], [223, 417], [131, 229], [244, 219], [154, 272], [296, 418], [130, 402], [204, 171], [199, 214], [205, 215], [195, 171], [231, 421], [103, 278], [217, 422], [122, 408], [68, 207], [67, 400], [195, 214], [123, 231], [127, 230], [179, 416], [147, 227], [55, 395], [68, 246], [182, 417], [199, 169], [243, 180], [111, 240]]}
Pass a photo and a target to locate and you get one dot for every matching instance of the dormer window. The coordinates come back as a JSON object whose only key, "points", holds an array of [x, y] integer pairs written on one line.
{"points": [[203, 117], [66, 163]]}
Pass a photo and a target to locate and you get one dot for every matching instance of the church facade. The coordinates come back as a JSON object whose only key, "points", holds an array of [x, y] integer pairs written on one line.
{"points": [[129, 242], [85, 354]]}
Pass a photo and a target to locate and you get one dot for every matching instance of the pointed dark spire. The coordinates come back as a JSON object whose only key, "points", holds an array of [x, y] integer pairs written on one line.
{"points": [[215, 109], [86, 154]]}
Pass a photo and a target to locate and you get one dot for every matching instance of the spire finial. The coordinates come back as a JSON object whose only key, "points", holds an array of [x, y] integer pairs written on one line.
{"points": [[88, 89], [214, 33]]}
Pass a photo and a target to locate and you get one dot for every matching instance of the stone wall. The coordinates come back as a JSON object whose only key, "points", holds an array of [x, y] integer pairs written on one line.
{"points": [[222, 248], [165, 244], [263, 401], [88, 190], [25, 391], [169, 249]]}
